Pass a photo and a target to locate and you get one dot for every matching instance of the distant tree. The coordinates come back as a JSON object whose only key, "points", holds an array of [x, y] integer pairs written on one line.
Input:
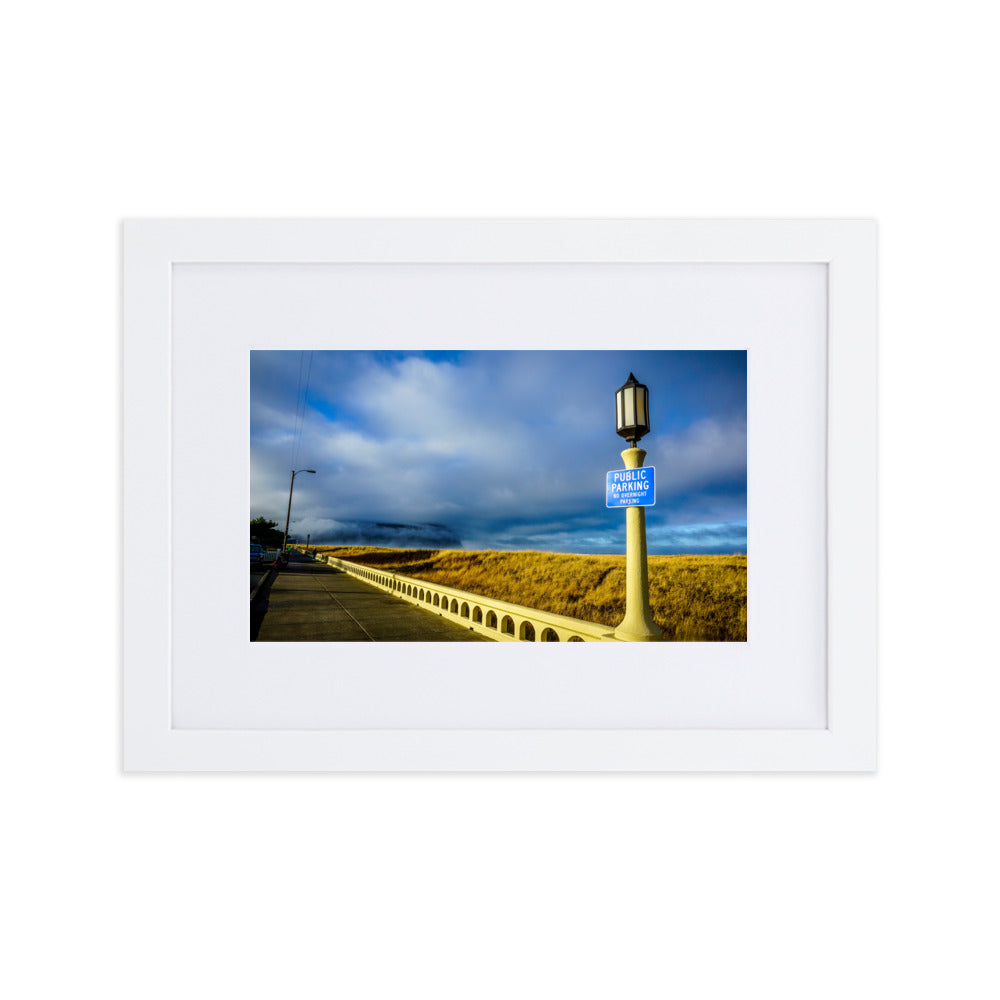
{"points": [[266, 532]]}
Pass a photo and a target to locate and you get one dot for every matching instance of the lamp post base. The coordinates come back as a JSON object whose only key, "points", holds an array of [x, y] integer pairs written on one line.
{"points": [[645, 632]]}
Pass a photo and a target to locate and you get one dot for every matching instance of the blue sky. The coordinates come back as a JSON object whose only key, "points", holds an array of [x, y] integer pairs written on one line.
{"points": [[496, 449]]}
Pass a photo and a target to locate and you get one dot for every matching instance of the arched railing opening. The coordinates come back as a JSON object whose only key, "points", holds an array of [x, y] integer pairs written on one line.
{"points": [[526, 633], [549, 635]]}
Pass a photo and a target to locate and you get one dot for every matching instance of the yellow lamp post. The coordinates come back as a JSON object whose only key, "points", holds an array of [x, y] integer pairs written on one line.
{"points": [[632, 415]]}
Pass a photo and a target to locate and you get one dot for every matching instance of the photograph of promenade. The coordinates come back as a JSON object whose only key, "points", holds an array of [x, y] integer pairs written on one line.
{"points": [[450, 496]]}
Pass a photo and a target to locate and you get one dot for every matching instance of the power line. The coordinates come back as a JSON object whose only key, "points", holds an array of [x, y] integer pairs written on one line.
{"points": [[301, 409], [298, 403]]}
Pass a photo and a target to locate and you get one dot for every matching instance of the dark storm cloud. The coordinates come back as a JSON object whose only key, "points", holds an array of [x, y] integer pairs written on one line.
{"points": [[388, 534], [505, 449]]}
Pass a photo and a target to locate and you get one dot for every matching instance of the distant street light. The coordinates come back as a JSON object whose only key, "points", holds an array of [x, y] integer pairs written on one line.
{"points": [[632, 413], [288, 516]]}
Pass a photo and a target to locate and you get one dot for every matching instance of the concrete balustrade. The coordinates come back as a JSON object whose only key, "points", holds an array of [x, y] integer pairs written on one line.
{"points": [[498, 620]]}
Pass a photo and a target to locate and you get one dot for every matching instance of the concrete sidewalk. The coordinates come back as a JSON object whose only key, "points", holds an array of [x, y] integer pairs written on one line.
{"points": [[312, 602]]}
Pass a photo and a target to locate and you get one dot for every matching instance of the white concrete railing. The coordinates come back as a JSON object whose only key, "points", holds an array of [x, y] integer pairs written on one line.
{"points": [[498, 620]]}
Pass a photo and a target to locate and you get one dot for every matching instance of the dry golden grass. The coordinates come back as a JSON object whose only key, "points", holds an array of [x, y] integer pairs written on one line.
{"points": [[693, 598]]}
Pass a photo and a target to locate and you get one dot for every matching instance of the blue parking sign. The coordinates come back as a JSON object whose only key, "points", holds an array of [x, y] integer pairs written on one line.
{"points": [[632, 487]]}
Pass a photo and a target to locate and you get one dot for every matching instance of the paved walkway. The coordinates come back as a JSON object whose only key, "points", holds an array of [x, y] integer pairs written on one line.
{"points": [[312, 602]]}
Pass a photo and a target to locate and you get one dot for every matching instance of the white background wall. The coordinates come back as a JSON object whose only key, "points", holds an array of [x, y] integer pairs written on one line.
{"points": [[505, 886]]}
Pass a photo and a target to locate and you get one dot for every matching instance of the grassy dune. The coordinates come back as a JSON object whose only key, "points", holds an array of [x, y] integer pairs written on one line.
{"points": [[693, 598]]}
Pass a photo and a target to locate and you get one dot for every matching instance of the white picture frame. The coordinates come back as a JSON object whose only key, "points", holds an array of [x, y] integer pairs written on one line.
{"points": [[154, 389]]}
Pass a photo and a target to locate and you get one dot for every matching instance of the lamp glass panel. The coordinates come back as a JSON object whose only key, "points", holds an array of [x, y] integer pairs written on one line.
{"points": [[620, 408], [629, 407], [643, 406]]}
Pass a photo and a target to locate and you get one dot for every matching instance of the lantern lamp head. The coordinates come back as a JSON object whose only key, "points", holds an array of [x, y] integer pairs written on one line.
{"points": [[632, 410]]}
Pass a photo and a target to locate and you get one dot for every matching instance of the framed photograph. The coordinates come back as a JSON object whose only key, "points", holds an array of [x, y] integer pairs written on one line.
{"points": [[521, 495]]}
